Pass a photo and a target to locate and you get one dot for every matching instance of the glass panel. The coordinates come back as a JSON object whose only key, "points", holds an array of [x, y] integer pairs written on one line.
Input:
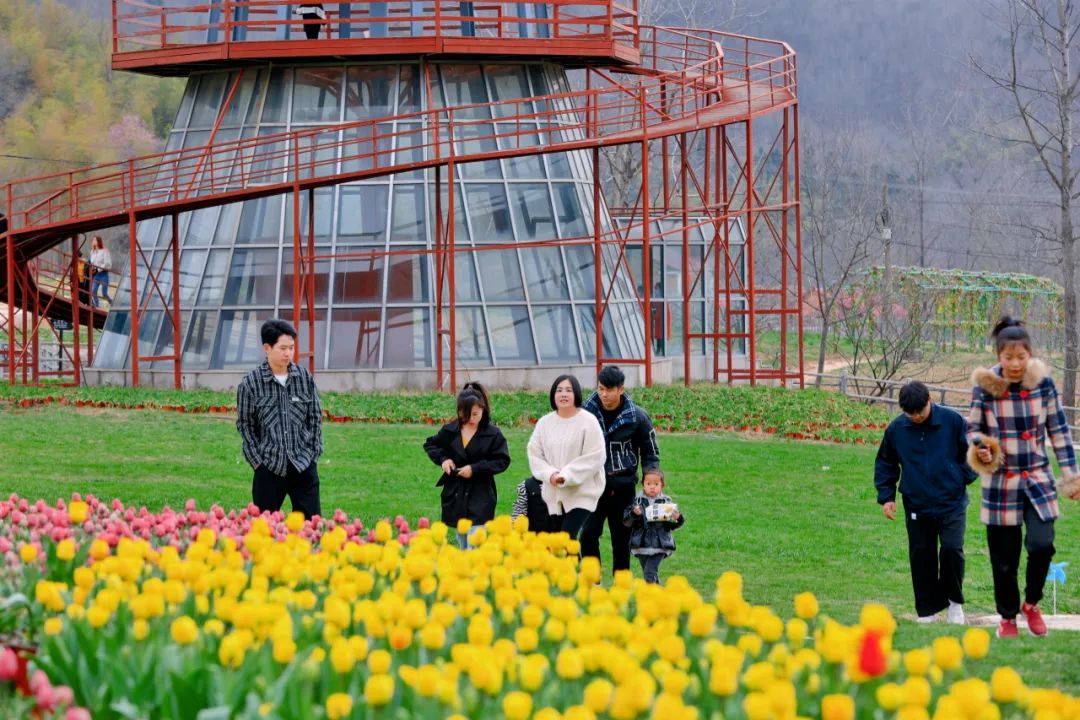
{"points": [[277, 97], [260, 222], [368, 92], [461, 230], [571, 219], [478, 138], [317, 156], [672, 338], [465, 281], [355, 335], [238, 343], [184, 113], [316, 95], [558, 163], [200, 339], [464, 85], [149, 332], [488, 213], [302, 341], [409, 140], [525, 167], [208, 100], [192, 263], [112, 349], [501, 276], [509, 82], [362, 216], [358, 279], [531, 205], [409, 90], [200, 226], [226, 227], [258, 96], [587, 328], [581, 269], [213, 285], [409, 276], [238, 109], [409, 220], [252, 278], [555, 334], [544, 274], [511, 336], [472, 347], [324, 217], [408, 338], [321, 277], [265, 161]]}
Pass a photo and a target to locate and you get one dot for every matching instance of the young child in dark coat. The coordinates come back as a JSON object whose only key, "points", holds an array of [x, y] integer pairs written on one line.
{"points": [[650, 539]]}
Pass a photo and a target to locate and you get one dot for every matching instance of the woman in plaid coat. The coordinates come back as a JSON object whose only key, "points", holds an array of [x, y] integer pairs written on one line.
{"points": [[1014, 407]]}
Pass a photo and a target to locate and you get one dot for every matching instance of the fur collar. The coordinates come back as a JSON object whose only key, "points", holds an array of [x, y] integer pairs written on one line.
{"points": [[990, 380]]}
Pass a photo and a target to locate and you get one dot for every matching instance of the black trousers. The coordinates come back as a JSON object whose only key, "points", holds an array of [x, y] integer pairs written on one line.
{"points": [[571, 522], [616, 497], [268, 490], [312, 25], [650, 567], [1004, 542], [936, 553]]}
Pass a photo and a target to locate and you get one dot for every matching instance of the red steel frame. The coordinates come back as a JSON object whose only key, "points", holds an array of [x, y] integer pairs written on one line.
{"points": [[699, 99]]}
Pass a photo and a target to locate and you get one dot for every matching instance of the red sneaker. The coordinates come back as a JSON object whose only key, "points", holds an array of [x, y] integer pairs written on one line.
{"points": [[1035, 621], [1007, 628]]}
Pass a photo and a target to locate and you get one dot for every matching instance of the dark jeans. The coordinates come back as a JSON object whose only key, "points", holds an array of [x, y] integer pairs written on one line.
{"points": [[937, 575], [268, 490], [571, 522], [1004, 542], [312, 25], [650, 566], [100, 282], [616, 497]]}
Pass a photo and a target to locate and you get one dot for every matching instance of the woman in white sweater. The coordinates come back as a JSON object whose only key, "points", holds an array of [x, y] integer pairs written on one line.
{"points": [[566, 454]]}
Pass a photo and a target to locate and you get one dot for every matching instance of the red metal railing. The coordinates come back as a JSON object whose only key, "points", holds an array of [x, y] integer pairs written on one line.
{"points": [[688, 79], [139, 25]]}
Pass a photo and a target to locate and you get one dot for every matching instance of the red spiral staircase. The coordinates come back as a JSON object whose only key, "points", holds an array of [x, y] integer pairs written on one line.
{"points": [[671, 87]]}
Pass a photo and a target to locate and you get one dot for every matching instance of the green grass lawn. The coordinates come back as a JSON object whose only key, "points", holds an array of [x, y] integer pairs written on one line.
{"points": [[789, 516]]}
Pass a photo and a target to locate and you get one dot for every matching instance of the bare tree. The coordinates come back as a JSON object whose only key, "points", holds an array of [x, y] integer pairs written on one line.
{"points": [[1039, 78], [838, 218]]}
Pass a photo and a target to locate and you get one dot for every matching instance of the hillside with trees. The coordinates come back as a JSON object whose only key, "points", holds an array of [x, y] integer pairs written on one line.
{"points": [[61, 106]]}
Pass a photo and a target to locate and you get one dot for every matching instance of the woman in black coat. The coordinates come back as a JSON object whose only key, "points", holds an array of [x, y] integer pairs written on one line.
{"points": [[471, 451]]}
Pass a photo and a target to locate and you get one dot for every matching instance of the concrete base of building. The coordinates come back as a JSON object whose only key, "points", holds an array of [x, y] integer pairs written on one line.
{"points": [[665, 372]]}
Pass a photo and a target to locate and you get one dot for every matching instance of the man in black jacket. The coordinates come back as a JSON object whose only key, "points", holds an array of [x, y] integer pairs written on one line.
{"points": [[630, 441], [925, 449]]}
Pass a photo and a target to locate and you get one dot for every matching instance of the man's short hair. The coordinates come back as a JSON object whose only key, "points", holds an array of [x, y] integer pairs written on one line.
{"points": [[272, 330], [611, 377], [913, 397]]}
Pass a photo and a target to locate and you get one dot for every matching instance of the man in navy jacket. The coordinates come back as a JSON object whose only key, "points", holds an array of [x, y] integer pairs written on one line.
{"points": [[630, 441], [925, 449]]}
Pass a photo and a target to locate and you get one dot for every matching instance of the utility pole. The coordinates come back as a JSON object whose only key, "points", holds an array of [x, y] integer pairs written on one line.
{"points": [[886, 235]]}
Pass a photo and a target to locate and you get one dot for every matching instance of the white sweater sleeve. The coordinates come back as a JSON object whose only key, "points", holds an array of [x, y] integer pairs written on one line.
{"points": [[590, 463], [539, 466]]}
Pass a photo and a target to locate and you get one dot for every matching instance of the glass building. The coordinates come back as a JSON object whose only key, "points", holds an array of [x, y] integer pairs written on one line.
{"points": [[515, 306]]}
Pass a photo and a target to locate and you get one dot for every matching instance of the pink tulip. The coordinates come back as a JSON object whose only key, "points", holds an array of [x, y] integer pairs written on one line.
{"points": [[189, 505], [46, 698], [64, 695], [403, 538], [9, 664], [76, 497], [23, 505], [77, 713], [39, 680], [17, 517], [423, 523], [5, 545]]}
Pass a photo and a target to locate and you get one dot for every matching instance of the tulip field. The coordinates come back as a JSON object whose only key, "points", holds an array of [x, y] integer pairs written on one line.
{"points": [[138, 582]]}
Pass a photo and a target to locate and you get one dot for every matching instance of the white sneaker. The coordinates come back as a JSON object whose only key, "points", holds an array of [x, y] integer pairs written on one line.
{"points": [[926, 619], [955, 614]]}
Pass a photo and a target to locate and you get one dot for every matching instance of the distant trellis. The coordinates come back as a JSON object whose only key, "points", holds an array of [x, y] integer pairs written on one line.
{"points": [[966, 302]]}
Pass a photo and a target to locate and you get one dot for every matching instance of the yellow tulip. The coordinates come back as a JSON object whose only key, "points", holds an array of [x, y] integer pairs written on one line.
{"points": [[338, 705], [97, 616], [598, 695], [65, 549], [917, 662], [569, 664], [184, 630], [889, 696], [378, 662], [342, 658], [28, 552], [948, 654], [1005, 685], [806, 606], [976, 642], [837, 707], [140, 629], [284, 650], [517, 705], [379, 689], [53, 626]]}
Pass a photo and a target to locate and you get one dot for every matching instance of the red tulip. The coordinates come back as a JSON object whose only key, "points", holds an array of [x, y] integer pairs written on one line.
{"points": [[872, 660]]}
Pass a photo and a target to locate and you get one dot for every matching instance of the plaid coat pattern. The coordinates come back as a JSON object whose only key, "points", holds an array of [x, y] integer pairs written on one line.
{"points": [[1020, 416]]}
